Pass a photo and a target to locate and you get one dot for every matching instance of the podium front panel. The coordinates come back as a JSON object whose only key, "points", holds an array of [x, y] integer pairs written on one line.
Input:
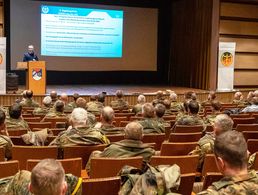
{"points": [[37, 77]]}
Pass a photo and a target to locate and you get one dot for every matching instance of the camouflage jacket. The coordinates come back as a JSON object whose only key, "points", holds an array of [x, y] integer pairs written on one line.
{"points": [[209, 119], [162, 121], [239, 102], [163, 179], [176, 106], [152, 125], [36, 138], [29, 103], [73, 104], [108, 129], [18, 184], [251, 160], [190, 120], [137, 108], [54, 114], [80, 136], [7, 144], [41, 110], [237, 185], [95, 108], [119, 104], [12, 123], [68, 108]]}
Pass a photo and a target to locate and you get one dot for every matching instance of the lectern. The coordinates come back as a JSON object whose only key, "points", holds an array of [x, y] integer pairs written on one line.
{"points": [[35, 76]]}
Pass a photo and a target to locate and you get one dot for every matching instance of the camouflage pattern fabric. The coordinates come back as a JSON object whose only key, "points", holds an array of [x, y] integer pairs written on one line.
{"points": [[73, 104], [251, 160], [137, 109], [12, 123], [68, 108], [237, 185], [41, 110], [18, 184], [209, 119], [91, 119], [158, 101], [152, 125], [119, 104], [80, 136], [54, 114], [7, 144], [190, 120], [162, 121], [36, 138], [95, 108], [109, 129], [176, 106], [29, 103], [239, 102]]}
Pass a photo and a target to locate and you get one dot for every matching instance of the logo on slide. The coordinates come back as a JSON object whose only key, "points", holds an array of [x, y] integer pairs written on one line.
{"points": [[45, 9], [1, 58], [226, 59], [37, 74]]}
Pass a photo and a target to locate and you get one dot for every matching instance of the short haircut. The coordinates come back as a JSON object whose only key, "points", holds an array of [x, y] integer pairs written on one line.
{"points": [[173, 96], [159, 94], [15, 111], [101, 97], [212, 95], [2, 117], [141, 99], [193, 107], [75, 96], [29, 94], [223, 122], [186, 105], [133, 130], [188, 95], [167, 103], [108, 114], [81, 102], [47, 177], [47, 101], [237, 95], [53, 95], [232, 148], [79, 116], [148, 110], [64, 97], [194, 96], [119, 93], [216, 105], [160, 110], [93, 98], [59, 106]]}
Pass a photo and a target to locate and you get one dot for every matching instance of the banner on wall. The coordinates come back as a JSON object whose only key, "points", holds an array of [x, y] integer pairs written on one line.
{"points": [[226, 63], [2, 65]]}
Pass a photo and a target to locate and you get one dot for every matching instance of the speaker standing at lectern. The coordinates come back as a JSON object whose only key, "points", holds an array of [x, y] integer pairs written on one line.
{"points": [[30, 55]]}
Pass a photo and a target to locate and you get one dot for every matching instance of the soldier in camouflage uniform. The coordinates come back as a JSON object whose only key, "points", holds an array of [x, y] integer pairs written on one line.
{"points": [[95, 107], [29, 102], [73, 103], [119, 103], [131, 146], [238, 99], [80, 133], [45, 108], [216, 107], [230, 150], [211, 97], [160, 111], [222, 123], [57, 112], [251, 160], [15, 120], [67, 107], [175, 105], [149, 122], [47, 177], [159, 98], [105, 126], [54, 98], [137, 109], [81, 103]]}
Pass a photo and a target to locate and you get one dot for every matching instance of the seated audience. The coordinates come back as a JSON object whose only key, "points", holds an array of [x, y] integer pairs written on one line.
{"points": [[46, 178], [95, 107], [119, 103], [101, 98], [81, 103], [230, 151], [73, 103], [167, 105], [192, 117], [67, 106], [253, 107], [175, 105], [57, 112], [29, 102], [5, 141], [54, 98], [211, 97], [137, 109], [149, 122], [106, 125], [80, 133], [159, 98], [160, 110], [238, 99], [131, 146], [15, 120], [215, 110], [45, 108], [93, 99]]}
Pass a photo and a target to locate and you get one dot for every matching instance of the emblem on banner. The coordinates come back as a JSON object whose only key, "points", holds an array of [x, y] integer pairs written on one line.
{"points": [[37, 74], [1, 58], [226, 59]]}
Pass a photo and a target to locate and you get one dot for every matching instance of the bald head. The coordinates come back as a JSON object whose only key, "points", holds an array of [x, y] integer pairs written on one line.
{"points": [[222, 123], [107, 114], [53, 95], [79, 117], [133, 131], [173, 97], [141, 99], [64, 97], [148, 110]]}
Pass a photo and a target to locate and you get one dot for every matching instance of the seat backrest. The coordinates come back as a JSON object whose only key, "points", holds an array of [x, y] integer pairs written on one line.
{"points": [[177, 149], [246, 115], [9, 168], [23, 153], [124, 123], [186, 184], [169, 117], [209, 164], [154, 138], [188, 128], [243, 121], [53, 121], [40, 125], [118, 119], [2, 154], [252, 145], [81, 151], [32, 119], [115, 138], [187, 164], [109, 185], [71, 165], [209, 128], [110, 167], [185, 137], [17, 132], [55, 131], [247, 127], [211, 177], [250, 135], [17, 140], [255, 165]]}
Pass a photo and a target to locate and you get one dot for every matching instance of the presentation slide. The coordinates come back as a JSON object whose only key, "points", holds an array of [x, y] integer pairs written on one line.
{"points": [[81, 32]]}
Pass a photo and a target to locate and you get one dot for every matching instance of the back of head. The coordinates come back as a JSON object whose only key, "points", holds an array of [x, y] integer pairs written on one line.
{"points": [[148, 110], [193, 107], [173, 97], [119, 93], [15, 111], [48, 178], [101, 97], [81, 102], [216, 105], [159, 94], [188, 95], [167, 103], [256, 93], [78, 117], [133, 131], [237, 95], [194, 96], [29, 94], [93, 98], [2, 117], [160, 110], [53, 95], [47, 101], [141, 99], [76, 96], [255, 100], [59, 106], [212, 95], [232, 148], [64, 97], [107, 114], [222, 123]]}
